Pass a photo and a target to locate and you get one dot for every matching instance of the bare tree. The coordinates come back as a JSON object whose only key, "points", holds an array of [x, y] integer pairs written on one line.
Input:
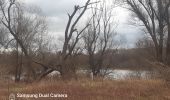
{"points": [[167, 20], [71, 39], [150, 13], [98, 37], [70, 32], [8, 10], [24, 28]]}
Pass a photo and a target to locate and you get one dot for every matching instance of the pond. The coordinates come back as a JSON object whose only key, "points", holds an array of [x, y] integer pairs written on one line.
{"points": [[123, 74], [129, 74]]}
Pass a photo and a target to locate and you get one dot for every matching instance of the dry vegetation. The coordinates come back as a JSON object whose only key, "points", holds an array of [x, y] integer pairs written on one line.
{"points": [[95, 90]]}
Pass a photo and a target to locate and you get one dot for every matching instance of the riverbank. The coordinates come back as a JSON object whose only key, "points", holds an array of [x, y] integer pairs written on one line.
{"points": [[92, 90]]}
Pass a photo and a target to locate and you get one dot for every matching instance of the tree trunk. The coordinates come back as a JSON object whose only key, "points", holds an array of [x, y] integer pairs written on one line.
{"points": [[168, 46], [17, 68], [160, 57]]}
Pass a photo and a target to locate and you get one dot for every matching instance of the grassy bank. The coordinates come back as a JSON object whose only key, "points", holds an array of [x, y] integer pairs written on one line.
{"points": [[94, 90]]}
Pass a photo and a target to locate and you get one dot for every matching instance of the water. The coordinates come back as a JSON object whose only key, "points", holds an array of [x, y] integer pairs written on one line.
{"points": [[117, 74], [123, 74], [128, 74]]}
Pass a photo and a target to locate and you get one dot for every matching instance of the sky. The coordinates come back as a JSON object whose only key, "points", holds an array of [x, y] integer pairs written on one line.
{"points": [[56, 14]]}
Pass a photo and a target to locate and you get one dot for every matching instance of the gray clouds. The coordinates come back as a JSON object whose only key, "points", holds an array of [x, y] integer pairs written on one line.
{"points": [[53, 8], [56, 13]]}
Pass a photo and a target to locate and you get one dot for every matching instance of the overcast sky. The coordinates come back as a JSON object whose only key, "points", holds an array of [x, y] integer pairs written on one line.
{"points": [[56, 13]]}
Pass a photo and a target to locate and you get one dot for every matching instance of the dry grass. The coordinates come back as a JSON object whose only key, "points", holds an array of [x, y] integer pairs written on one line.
{"points": [[95, 90]]}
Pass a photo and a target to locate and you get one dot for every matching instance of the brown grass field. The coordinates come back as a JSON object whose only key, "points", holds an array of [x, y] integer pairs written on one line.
{"points": [[92, 90]]}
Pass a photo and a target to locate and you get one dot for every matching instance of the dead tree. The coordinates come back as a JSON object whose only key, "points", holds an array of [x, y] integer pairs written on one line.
{"points": [[69, 47], [70, 32]]}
